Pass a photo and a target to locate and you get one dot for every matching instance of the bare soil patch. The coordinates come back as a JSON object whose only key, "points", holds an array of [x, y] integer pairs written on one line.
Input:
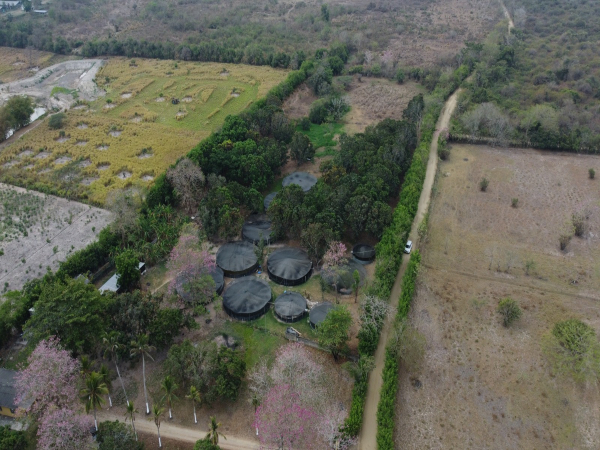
{"points": [[298, 104], [103, 147], [481, 383], [63, 160], [115, 133], [123, 175], [375, 99], [147, 178], [42, 155], [160, 99], [26, 153], [88, 180], [62, 140], [85, 163], [82, 126], [81, 143], [11, 163], [103, 166], [126, 95], [55, 228], [187, 99]]}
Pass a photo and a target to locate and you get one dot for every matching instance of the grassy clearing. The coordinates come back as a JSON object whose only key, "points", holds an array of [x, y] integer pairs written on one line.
{"points": [[324, 137], [135, 132]]}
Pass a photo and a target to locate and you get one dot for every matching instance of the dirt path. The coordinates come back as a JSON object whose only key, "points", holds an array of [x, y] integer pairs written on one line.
{"points": [[368, 433], [511, 24], [167, 430]]}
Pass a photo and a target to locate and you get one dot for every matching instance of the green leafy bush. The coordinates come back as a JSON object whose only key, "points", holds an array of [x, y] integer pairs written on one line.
{"points": [[56, 121]]}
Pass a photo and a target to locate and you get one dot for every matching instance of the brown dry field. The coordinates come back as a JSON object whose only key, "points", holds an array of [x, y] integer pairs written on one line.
{"points": [[485, 386], [375, 99], [371, 101]]}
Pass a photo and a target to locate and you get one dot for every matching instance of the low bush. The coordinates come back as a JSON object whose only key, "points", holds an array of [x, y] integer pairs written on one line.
{"points": [[510, 311], [56, 121]]}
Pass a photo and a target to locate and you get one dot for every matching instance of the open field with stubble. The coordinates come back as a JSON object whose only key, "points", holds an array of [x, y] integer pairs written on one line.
{"points": [[482, 385], [37, 231], [134, 132]]}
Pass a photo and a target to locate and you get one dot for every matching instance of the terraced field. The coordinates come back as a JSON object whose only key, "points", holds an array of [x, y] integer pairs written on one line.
{"points": [[153, 113]]}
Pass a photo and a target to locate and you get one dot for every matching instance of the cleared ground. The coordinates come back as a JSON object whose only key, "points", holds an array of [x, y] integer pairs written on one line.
{"points": [[17, 63], [482, 385], [135, 131], [37, 231]]}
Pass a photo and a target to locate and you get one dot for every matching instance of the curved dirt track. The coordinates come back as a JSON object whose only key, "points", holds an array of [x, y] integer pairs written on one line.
{"points": [[368, 433], [169, 431]]}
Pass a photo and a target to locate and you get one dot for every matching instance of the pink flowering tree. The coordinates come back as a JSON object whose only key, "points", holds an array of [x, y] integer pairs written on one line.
{"points": [[50, 378], [295, 367], [189, 269], [63, 429], [328, 428], [283, 422], [334, 258]]}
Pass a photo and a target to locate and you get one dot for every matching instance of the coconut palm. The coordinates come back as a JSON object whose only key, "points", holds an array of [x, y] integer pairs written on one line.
{"points": [[169, 386], [194, 396], [130, 414], [157, 413], [92, 393], [111, 347], [105, 374], [140, 347], [213, 433], [87, 366]]}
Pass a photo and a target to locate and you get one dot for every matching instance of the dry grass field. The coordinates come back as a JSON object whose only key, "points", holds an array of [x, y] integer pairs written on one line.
{"points": [[483, 385], [16, 63], [135, 132], [37, 231]]}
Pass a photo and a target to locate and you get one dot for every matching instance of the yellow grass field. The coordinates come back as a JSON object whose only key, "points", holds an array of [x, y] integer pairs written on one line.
{"points": [[135, 132]]}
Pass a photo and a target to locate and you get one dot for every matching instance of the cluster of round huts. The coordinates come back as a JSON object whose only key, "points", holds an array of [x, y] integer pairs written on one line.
{"points": [[249, 297]]}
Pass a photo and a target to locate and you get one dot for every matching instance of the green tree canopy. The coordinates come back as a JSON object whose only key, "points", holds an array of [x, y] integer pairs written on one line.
{"points": [[74, 311], [333, 331], [127, 264]]}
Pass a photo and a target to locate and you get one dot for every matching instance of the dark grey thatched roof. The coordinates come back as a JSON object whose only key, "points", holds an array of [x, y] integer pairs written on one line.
{"points": [[237, 259], [268, 199], [290, 305], [257, 227], [246, 296], [305, 180], [289, 266], [319, 312]]}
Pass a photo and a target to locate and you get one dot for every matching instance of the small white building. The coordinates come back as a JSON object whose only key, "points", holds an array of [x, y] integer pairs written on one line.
{"points": [[10, 3]]}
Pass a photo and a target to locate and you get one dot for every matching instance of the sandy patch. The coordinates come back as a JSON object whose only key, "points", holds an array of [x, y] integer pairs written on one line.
{"points": [[102, 147], [81, 143], [160, 99], [147, 178], [26, 153], [126, 95], [124, 174], [82, 126], [103, 166], [42, 155], [187, 99], [115, 133], [63, 160], [85, 163], [9, 164], [88, 181]]}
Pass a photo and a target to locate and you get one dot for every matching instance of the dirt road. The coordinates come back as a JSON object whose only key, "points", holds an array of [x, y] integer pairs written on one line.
{"points": [[511, 24], [369, 429], [167, 430]]}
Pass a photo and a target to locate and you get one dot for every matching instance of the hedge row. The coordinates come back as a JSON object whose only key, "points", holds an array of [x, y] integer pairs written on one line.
{"points": [[389, 252], [390, 248], [386, 410]]}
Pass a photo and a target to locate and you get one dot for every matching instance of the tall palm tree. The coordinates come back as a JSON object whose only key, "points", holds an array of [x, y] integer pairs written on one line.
{"points": [[105, 374], [169, 386], [87, 366], [140, 347], [92, 393], [111, 347], [157, 412], [194, 396], [213, 433], [131, 412]]}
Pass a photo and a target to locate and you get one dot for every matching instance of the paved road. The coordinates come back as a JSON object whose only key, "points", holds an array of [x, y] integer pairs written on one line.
{"points": [[368, 434]]}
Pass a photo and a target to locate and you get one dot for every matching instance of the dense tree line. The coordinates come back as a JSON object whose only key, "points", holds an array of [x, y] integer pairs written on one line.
{"points": [[353, 194]]}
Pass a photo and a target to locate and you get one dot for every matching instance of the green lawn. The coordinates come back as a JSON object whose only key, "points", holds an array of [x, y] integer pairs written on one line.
{"points": [[322, 136]]}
